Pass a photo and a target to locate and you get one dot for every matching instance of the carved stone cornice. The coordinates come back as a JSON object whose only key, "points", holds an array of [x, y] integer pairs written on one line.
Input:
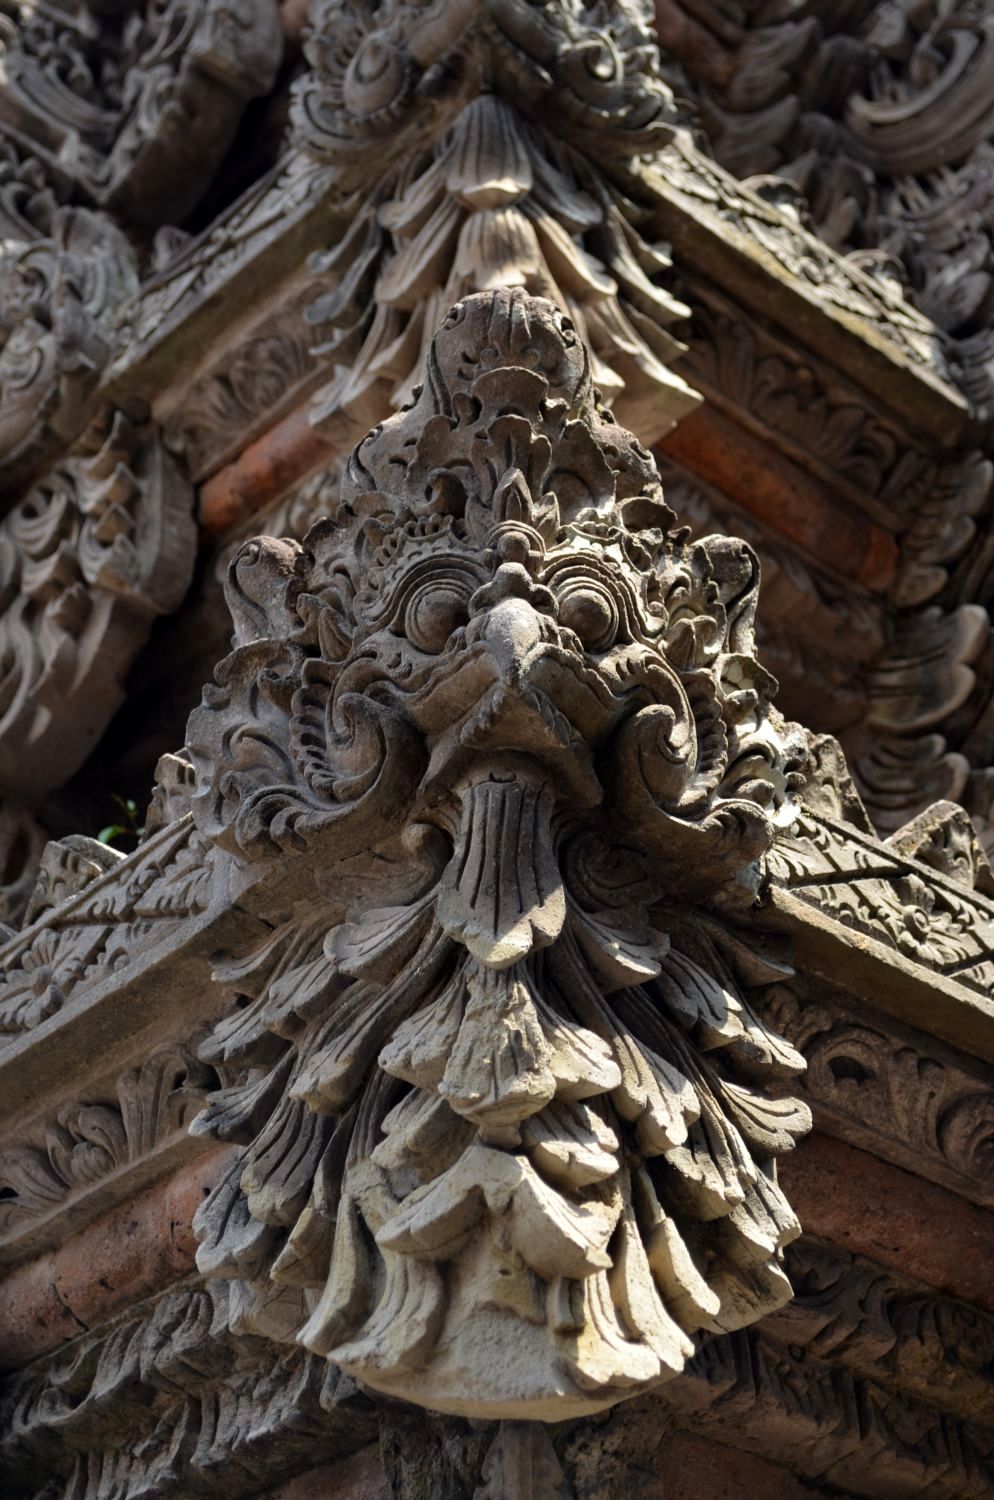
{"points": [[882, 118], [888, 1089], [865, 1379], [908, 931], [170, 1398]]}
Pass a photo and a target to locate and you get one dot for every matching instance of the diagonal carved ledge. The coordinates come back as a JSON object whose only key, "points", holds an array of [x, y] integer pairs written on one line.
{"points": [[509, 1144]]}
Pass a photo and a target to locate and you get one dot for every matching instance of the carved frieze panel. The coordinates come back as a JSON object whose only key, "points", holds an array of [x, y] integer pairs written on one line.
{"points": [[63, 297], [881, 115], [169, 1401], [928, 917], [541, 1063], [891, 1090], [113, 1142], [112, 922]]}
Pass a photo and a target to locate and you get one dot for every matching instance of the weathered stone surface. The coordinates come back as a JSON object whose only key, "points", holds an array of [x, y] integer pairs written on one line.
{"points": [[495, 637]]}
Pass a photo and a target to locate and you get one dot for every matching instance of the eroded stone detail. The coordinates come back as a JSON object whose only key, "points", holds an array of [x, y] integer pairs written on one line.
{"points": [[511, 1090], [89, 1142]]}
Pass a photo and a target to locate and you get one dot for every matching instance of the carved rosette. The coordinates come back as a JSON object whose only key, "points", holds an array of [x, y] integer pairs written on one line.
{"points": [[510, 1140], [504, 140]]}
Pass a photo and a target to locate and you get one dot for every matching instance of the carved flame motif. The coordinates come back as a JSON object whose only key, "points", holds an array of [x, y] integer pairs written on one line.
{"points": [[508, 1145], [496, 133]]}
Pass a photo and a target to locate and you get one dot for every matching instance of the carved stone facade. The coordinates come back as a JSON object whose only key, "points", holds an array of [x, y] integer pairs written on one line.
{"points": [[505, 1057]]}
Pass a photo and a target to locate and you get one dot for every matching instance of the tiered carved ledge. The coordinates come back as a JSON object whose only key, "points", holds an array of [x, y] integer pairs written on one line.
{"points": [[498, 1145]]}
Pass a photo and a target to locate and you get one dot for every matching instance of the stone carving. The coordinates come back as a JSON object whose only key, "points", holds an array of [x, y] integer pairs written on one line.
{"points": [[135, 101], [110, 924], [697, 183], [98, 548], [507, 728], [827, 1423], [489, 193], [891, 1091], [62, 300], [881, 116], [931, 919], [89, 1142], [66, 867], [169, 1400], [856, 1313]]}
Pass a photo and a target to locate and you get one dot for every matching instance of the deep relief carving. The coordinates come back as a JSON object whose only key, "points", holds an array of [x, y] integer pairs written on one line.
{"points": [[62, 302], [855, 1313], [926, 916], [488, 194], [881, 116], [828, 1423], [135, 103], [896, 1094], [90, 1142], [803, 256], [110, 923], [817, 632], [511, 1091], [169, 1400], [98, 548]]}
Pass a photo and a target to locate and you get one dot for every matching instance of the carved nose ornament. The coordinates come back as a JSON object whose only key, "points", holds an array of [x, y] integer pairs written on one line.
{"points": [[512, 581]]}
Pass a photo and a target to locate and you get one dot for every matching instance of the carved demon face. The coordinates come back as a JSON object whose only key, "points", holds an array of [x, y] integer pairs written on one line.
{"points": [[510, 727], [380, 74]]}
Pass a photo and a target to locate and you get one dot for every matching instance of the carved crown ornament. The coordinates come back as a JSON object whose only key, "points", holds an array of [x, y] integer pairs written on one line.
{"points": [[509, 1124], [505, 140]]}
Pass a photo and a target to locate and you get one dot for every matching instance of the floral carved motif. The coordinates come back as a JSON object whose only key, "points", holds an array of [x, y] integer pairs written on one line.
{"points": [[501, 728]]}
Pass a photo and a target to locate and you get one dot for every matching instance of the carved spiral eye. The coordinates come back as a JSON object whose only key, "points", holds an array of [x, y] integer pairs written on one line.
{"points": [[375, 77], [588, 609], [434, 611]]}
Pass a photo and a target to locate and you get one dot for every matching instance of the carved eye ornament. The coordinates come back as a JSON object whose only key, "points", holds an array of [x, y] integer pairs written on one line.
{"points": [[594, 602]]}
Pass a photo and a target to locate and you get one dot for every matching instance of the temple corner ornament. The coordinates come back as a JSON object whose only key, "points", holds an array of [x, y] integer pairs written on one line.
{"points": [[497, 733]]}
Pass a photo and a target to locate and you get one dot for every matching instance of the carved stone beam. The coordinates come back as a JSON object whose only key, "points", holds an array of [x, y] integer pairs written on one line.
{"points": [[509, 1136]]}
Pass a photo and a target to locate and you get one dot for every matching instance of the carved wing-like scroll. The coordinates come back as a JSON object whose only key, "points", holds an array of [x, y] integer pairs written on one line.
{"points": [[510, 1143]]}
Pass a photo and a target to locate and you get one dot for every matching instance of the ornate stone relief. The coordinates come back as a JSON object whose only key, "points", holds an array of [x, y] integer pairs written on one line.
{"points": [[62, 302], [890, 1090], [877, 1384], [881, 114], [944, 925], [170, 1402], [111, 924], [522, 1111], [98, 548], [90, 1142], [517, 128], [135, 102]]}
